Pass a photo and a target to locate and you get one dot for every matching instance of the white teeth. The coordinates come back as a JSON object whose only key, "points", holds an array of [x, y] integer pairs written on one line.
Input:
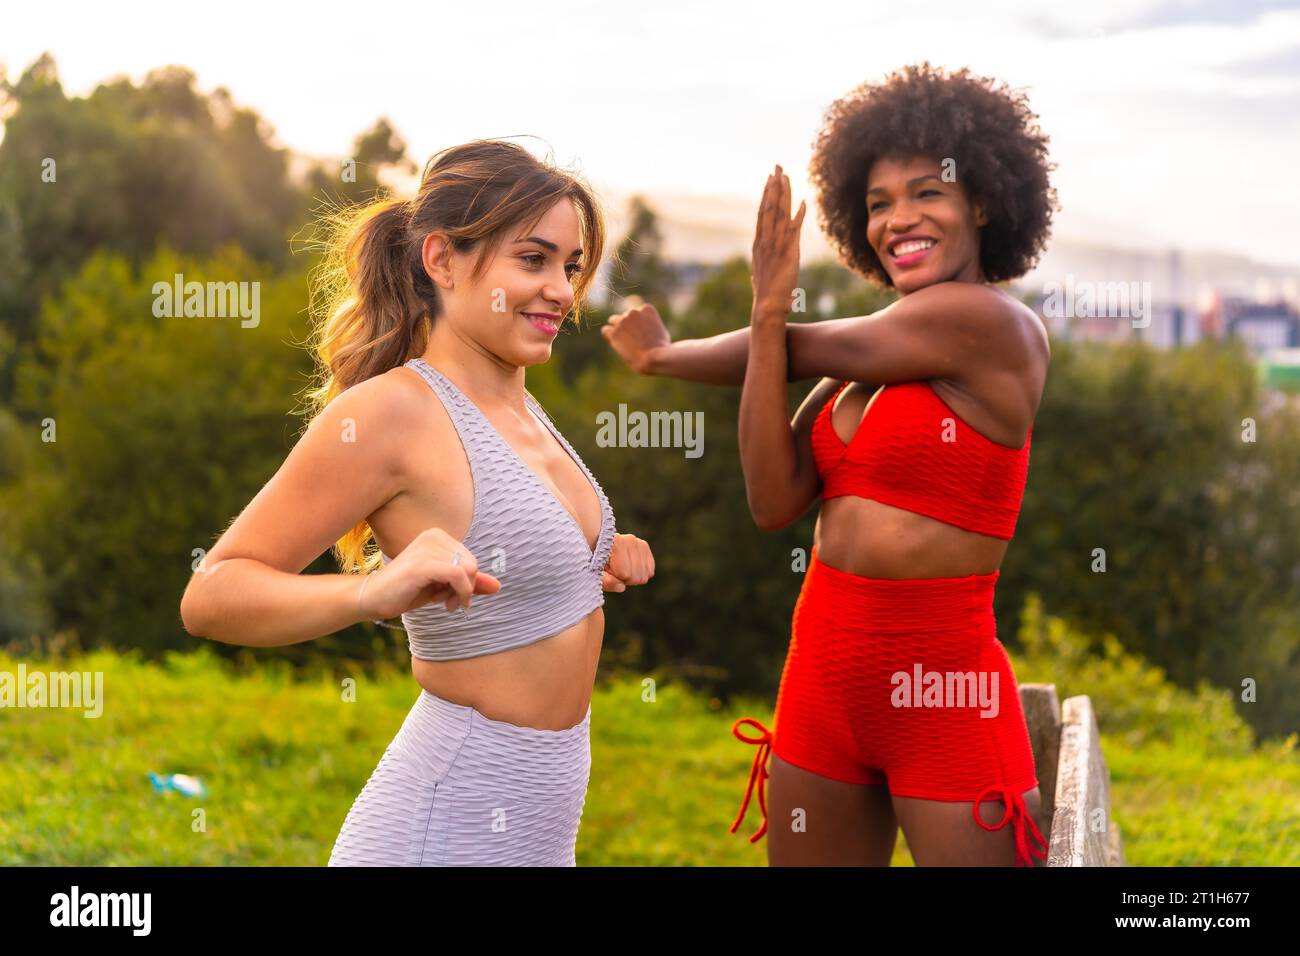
{"points": [[549, 323], [916, 245]]}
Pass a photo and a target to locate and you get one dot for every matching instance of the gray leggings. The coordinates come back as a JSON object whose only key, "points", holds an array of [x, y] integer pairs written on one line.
{"points": [[455, 788]]}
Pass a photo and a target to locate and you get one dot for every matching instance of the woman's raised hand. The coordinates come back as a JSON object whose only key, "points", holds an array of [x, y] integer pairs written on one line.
{"points": [[776, 248], [428, 571], [635, 333]]}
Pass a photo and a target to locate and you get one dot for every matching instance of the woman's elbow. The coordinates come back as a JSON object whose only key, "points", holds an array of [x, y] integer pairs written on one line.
{"points": [[188, 620], [191, 618], [766, 519], [778, 515]]}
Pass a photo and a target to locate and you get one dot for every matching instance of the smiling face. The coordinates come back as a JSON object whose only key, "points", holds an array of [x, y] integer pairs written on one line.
{"points": [[924, 230], [514, 310]]}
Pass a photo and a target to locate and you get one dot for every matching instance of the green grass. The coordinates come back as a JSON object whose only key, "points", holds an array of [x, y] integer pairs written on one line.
{"points": [[1176, 808], [283, 759]]}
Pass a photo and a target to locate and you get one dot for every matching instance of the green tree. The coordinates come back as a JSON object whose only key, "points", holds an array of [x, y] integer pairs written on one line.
{"points": [[357, 180], [638, 266], [163, 428], [125, 168], [1139, 457]]}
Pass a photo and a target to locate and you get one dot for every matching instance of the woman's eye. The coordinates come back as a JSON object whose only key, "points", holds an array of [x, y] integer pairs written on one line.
{"points": [[537, 260], [872, 207]]}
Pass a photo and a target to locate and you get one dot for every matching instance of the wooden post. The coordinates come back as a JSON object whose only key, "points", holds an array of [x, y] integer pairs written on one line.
{"points": [[1072, 778], [1043, 717], [1082, 834]]}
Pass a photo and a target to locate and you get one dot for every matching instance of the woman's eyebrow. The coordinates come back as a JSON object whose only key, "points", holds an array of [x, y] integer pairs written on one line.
{"points": [[910, 182], [548, 245]]}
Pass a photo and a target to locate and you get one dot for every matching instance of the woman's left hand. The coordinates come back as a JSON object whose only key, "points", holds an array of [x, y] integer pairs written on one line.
{"points": [[630, 562], [776, 250]]}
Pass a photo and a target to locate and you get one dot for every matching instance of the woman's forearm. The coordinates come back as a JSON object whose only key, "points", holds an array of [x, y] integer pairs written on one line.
{"points": [[246, 602], [716, 360], [767, 450]]}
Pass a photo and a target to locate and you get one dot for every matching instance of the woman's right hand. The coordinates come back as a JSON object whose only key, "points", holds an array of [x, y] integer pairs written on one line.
{"points": [[424, 573], [635, 333]]}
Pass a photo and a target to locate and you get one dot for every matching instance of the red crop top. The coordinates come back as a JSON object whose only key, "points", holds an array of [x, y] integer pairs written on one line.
{"points": [[899, 456]]}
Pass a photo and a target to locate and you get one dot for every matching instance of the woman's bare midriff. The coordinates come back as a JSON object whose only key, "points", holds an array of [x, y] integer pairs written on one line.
{"points": [[876, 540], [546, 685]]}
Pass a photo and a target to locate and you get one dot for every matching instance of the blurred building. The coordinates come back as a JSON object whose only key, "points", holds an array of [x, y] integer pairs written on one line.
{"points": [[1232, 300], [1262, 326]]}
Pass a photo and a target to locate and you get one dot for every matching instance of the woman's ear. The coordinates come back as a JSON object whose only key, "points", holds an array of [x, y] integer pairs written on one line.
{"points": [[436, 256], [980, 218]]}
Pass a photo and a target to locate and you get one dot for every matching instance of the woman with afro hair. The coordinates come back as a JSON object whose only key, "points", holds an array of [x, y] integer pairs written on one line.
{"points": [[897, 704]]}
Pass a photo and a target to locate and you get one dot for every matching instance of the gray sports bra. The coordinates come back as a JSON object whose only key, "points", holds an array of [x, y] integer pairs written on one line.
{"points": [[520, 534]]}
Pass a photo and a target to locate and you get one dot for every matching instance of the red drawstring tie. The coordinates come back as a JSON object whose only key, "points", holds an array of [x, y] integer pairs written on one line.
{"points": [[1017, 811], [757, 773]]}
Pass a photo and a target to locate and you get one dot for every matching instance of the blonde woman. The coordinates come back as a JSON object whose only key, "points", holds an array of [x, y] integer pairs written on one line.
{"points": [[496, 543]]}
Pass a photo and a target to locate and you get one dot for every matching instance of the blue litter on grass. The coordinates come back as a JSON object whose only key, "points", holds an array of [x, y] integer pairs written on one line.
{"points": [[180, 782]]}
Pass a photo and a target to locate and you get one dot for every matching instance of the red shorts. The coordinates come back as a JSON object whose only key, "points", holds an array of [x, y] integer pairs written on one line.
{"points": [[902, 683]]}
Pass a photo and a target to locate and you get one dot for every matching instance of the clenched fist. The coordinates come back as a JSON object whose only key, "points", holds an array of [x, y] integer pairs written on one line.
{"points": [[435, 568], [630, 562], [635, 333]]}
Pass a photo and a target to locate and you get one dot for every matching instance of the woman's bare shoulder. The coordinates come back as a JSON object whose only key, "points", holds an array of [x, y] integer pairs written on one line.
{"points": [[1033, 328], [395, 412]]}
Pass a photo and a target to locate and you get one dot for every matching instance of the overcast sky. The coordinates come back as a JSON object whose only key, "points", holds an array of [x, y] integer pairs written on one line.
{"points": [[1171, 122]]}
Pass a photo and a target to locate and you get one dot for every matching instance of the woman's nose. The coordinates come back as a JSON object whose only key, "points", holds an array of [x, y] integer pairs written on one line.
{"points": [[902, 218], [560, 294]]}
